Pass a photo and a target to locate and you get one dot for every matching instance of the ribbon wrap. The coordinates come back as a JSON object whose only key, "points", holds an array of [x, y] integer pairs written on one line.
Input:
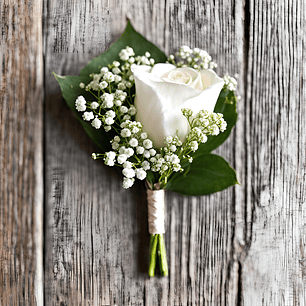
{"points": [[156, 211]]}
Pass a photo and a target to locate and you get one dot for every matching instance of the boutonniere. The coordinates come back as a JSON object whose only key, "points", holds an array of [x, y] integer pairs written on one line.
{"points": [[158, 119]]}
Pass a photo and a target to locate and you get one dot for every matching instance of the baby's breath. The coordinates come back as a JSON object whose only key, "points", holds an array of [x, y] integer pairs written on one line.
{"points": [[112, 109], [195, 58]]}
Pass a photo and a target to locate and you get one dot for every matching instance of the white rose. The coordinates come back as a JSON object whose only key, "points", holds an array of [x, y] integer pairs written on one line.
{"points": [[161, 93]]}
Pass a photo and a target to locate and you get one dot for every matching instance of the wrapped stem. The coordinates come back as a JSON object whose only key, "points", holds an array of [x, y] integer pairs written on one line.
{"points": [[156, 217]]}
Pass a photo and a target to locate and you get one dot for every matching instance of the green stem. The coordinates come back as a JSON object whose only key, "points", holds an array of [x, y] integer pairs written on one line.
{"points": [[158, 250], [163, 266], [153, 248]]}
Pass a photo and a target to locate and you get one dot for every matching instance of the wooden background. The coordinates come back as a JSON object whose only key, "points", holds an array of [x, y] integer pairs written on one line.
{"points": [[70, 235]]}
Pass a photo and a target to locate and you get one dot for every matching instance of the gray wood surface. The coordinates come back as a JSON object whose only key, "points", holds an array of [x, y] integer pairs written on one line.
{"points": [[243, 246], [273, 272], [21, 154]]}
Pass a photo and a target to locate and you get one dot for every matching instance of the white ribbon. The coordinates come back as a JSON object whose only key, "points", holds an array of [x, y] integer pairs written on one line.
{"points": [[156, 211]]}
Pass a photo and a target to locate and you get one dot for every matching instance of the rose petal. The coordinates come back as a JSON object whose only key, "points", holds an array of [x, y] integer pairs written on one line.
{"points": [[159, 103], [160, 70]]}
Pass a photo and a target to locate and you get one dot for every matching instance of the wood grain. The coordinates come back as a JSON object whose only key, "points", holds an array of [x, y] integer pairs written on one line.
{"points": [[21, 156], [96, 233], [273, 273]]}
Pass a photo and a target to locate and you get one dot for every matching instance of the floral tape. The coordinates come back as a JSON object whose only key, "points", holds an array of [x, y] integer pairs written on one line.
{"points": [[156, 211]]}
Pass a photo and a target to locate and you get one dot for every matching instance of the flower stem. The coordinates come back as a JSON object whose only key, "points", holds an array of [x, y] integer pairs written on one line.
{"points": [[153, 248], [163, 266], [158, 250]]}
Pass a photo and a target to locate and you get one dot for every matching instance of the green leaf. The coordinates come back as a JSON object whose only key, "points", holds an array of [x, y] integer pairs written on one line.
{"points": [[71, 90], [208, 173], [226, 105], [70, 84]]}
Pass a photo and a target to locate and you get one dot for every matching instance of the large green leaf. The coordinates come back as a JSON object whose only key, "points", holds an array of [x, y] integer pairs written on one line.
{"points": [[208, 173], [226, 105], [70, 84]]}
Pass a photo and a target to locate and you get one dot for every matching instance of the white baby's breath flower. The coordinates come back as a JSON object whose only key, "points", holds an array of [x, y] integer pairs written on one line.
{"points": [[130, 51], [109, 159], [129, 85], [132, 110], [174, 159], [146, 154], [123, 55], [107, 97], [82, 85], [122, 150], [122, 158], [109, 121], [116, 70], [128, 164], [80, 104], [230, 82], [110, 114], [141, 174], [123, 109], [152, 152], [147, 143], [122, 97], [87, 116], [117, 138], [135, 130], [107, 104], [193, 146], [129, 152], [215, 130], [169, 139], [94, 105], [128, 182], [133, 142], [108, 77], [115, 145], [144, 135], [111, 155], [121, 86], [128, 172], [153, 159], [96, 123], [109, 162], [103, 85], [117, 78], [172, 148], [125, 133], [104, 70], [145, 165], [139, 150]]}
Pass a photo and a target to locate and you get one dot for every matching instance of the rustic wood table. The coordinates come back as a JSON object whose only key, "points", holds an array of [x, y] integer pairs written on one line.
{"points": [[69, 233]]}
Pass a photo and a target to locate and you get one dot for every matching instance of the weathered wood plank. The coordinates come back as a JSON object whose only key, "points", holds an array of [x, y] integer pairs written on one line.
{"points": [[21, 158], [96, 233], [273, 273]]}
